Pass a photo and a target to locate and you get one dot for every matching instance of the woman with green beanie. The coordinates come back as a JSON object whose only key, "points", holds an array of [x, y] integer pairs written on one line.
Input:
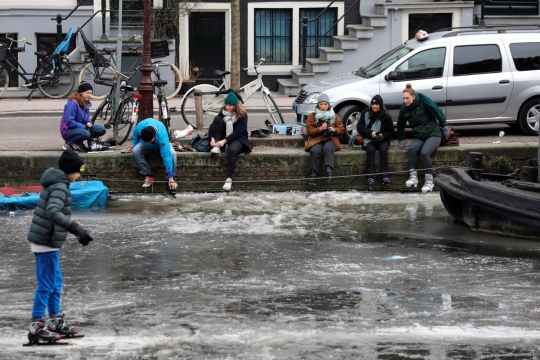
{"points": [[229, 132]]}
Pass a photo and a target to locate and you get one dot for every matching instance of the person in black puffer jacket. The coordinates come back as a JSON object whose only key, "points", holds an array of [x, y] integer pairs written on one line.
{"points": [[50, 224], [377, 128]]}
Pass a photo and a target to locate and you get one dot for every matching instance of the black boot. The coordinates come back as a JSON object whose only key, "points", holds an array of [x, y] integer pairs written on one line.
{"points": [[312, 181], [328, 173]]}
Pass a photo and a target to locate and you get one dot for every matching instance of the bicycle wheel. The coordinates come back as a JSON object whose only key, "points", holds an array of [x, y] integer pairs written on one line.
{"points": [[169, 72], [211, 105], [4, 81], [56, 84], [122, 122], [165, 120], [88, 74], [102, 115], [273, 109]]}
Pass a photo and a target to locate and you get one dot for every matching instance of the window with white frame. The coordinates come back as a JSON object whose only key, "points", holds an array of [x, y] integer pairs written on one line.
{"points": [[273, 36]]}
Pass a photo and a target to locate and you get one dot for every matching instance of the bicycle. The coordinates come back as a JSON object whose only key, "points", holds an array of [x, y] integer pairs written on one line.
{"points": [[53, 76], [212, 103], [99, 67], [163, 106], [120, 118]]}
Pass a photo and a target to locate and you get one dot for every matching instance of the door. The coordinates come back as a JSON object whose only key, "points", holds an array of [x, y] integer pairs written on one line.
{"points": [[425, 71], [479, 83], [207, 43]]}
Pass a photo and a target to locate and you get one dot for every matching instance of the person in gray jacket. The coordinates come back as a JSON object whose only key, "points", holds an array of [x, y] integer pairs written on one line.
{"points": [[50, 224]]}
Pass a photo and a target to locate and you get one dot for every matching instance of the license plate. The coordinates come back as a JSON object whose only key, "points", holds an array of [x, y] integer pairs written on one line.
{"points": [[294, 108]]}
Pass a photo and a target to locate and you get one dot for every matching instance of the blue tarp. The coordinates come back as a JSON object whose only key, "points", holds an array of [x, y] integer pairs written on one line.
{"points": [[84, 195]]}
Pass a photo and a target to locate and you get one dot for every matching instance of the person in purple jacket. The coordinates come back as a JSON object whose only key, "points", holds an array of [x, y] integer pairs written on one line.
{"points": [[76, 125], [229, 131]]}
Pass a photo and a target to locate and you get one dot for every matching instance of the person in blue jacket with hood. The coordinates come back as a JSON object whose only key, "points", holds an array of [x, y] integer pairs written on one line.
{"points": [[150, 136]]}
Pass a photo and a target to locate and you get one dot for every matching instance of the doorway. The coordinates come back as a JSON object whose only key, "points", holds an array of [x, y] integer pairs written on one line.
{"points": [[207, 43]]}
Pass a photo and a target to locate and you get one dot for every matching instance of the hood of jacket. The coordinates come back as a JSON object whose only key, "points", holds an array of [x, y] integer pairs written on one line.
{"points": [[52, 176]]}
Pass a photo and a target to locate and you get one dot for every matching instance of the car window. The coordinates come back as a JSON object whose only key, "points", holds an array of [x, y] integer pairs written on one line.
{"points": [[526, 56], [477, 59], [424, 65], [383, 62]]}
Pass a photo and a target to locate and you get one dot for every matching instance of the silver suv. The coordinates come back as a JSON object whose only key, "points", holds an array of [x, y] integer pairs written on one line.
{"points": [[476, 75]]}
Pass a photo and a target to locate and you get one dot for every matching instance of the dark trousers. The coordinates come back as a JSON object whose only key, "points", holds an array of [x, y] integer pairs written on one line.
{"points": [[425, 148], [327, 148], [233, 149], [371, 148]]}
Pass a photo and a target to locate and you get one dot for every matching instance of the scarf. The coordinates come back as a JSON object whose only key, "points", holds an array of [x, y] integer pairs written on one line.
{"points": [[434, 110], [229, 120], [329, 115], [376, 126]]}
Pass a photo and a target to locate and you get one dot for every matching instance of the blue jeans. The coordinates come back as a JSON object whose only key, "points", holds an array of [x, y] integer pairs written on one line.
{"points": [[425, 148], [49, 284], [139, 153], [76, 136]]}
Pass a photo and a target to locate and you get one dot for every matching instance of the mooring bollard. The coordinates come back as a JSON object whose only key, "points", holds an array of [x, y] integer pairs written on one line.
{"points": [[475, 164], [198, 109]]}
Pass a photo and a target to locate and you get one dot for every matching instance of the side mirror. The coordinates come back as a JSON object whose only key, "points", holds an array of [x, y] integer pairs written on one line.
{"points": [[392, 75]]}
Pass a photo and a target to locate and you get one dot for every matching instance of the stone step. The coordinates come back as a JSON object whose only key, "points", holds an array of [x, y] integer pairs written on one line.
{"points": [[302, 78], [317, 65], [360, 31], [374, 20], [288, 87], [330, 54], [345, 42]]}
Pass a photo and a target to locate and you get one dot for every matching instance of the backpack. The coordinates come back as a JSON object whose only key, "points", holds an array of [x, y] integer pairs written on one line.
{"points": [[201, 143], [453, 140]]}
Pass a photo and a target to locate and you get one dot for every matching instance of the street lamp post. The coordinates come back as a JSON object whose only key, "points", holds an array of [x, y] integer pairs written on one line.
{"points": [[146, 87]]}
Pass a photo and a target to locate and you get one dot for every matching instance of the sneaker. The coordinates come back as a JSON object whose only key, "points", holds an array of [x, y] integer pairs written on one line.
{"points": [[370, 181], [95, 145], [215, 150], [312, 179], [227, 185], [148, 181], [66, 146], [386, 181], [127, 150], [78, 147]]}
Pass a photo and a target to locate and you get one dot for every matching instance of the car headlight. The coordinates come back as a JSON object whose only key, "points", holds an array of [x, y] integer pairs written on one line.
{"points": [[313, 98]]}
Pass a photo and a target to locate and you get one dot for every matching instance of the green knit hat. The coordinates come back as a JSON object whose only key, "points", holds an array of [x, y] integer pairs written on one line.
{"points": [[231, 99]]}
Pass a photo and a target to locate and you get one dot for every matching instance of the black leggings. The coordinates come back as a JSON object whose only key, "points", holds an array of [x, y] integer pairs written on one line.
{"points": [[371, 148], [233, 149]]}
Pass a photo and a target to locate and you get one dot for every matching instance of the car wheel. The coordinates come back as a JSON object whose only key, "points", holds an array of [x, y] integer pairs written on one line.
{"points": [[528, 116], [347, 114]]}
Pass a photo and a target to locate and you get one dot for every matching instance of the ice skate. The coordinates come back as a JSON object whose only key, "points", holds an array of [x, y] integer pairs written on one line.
{"points": [[38, 334], [370, 182], [57, 324], [428, 184], [413, 179]]}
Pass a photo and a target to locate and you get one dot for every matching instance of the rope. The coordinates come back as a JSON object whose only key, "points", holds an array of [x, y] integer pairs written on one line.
{"points": [[353, 177]]}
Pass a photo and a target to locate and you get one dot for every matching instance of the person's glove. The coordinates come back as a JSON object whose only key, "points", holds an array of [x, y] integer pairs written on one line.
{"points": [[446, 132], [401, 144], [82, 234]]}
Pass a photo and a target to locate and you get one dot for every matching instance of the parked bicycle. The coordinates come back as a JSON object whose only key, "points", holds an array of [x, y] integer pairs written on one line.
{"points": [[212, 103], [53, 76], [120, 118], [101, 65], [163, 106]]}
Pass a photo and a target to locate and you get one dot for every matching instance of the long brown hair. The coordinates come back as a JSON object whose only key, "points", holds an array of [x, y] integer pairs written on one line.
{"points": [[239, 111], [79, 98]]}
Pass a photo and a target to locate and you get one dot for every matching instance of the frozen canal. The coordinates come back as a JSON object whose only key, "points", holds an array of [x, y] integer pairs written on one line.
{"points": [[280, 276]]}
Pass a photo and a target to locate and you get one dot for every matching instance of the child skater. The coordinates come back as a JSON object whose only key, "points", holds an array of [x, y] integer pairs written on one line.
{"points": [[48, 231]]}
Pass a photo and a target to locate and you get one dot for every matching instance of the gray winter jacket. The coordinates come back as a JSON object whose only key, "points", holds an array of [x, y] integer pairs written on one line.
{"points": [[51, 219]]}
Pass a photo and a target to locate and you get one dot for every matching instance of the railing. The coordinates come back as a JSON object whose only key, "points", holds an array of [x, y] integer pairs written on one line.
{"points": [[305, 22]]}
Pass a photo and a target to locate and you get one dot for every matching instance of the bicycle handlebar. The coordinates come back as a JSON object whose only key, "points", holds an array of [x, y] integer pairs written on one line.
{"points": [[23, 40], [259, 64]]}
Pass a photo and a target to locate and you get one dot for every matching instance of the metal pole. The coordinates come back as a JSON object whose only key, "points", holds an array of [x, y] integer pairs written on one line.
{"points": [[482, 23], [146, 87], [103, 18], [58, 29], [304, 43], [118, 62]]}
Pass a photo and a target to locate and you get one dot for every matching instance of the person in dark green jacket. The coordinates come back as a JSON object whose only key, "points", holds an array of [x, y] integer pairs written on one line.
{"points": [[50, 224], [429, 125]]}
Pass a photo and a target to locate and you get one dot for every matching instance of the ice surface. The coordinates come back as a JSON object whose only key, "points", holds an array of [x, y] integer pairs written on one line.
{"points": [[279, 276]]}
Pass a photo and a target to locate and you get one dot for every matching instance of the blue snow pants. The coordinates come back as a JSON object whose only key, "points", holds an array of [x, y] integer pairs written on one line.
{"points": [[49, 284]]}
